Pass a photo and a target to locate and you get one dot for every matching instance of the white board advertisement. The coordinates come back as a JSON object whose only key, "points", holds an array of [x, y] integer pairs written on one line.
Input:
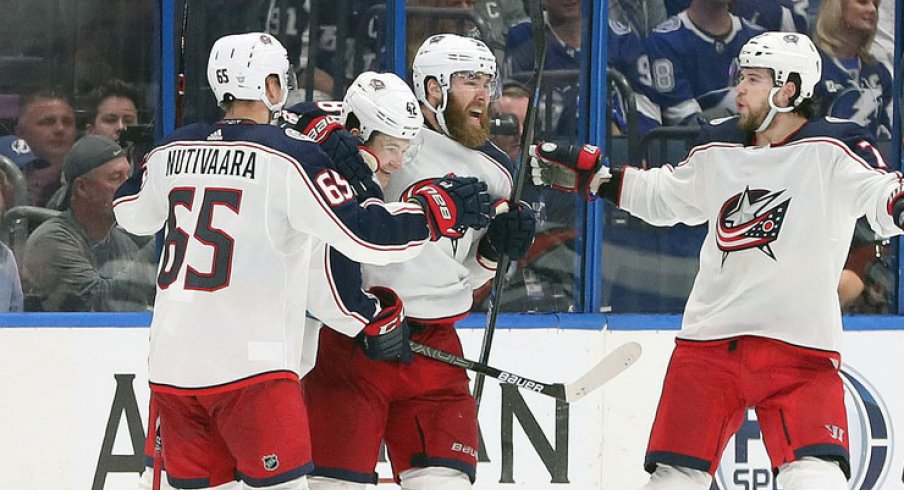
{"points": [[74, 407]]}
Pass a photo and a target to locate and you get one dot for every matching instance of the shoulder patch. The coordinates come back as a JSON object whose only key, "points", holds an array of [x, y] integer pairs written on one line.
{"points": [[295, 135], [673, 23], [618, 28]]}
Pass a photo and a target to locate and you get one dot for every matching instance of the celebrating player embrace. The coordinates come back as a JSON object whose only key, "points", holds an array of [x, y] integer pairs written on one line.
{"points": [[780, 195], [244, 204]]}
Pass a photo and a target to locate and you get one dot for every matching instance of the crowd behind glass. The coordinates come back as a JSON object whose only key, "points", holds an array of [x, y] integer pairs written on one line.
{"points": [[78, 110]]}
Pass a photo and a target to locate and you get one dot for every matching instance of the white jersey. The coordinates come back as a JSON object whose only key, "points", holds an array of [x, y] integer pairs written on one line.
{"points": [[780, 221], [244, 207], [438, 284]]}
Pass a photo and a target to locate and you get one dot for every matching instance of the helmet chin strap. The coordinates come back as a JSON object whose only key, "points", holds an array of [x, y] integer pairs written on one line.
{"points": [[773, 110], [438, 112]]}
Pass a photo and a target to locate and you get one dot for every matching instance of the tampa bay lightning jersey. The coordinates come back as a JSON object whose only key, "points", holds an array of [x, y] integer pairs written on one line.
{"points": [[627, 54], [862, 92], [774, 15], [560, 117], [691, 68]]}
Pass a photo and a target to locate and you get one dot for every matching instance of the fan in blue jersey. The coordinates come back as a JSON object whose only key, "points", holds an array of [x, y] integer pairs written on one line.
{"points": [[626, 54], [780, 195], [854, 84], [774, 15], [691, 58], [563, 54]]}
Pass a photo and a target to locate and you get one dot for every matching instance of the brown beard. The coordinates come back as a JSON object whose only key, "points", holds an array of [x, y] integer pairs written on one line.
{"points": [[461, 130], [752, 121]]}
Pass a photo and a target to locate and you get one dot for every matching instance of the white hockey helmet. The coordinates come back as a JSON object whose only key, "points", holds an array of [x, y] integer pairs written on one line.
{"points": [[443, 55], [785, 53], [239, 65], [382, 102]]}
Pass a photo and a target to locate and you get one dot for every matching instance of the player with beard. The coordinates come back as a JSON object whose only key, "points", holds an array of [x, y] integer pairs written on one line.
{"points": [[762, 326], [423, 410]]}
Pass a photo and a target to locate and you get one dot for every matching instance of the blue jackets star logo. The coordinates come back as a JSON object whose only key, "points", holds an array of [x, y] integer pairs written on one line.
{"points": [[751, 219]]}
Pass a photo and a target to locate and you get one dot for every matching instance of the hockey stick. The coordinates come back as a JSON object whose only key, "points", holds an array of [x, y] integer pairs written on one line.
{"points": [[538, 25], [180, 77], [609, 367], [153, 416]]}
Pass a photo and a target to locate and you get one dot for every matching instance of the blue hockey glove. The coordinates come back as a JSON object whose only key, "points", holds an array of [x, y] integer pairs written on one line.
{"points": [[510, 233], [385, 338], [354, 162], [451, 204]]}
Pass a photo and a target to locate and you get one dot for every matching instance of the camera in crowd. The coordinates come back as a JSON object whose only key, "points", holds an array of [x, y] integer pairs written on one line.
{"points": [[504, 124]]}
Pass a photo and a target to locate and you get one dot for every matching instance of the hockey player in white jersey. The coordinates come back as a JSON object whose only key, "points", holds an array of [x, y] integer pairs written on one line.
{"points": [[423, 410], [244, 202], [762, 327]]}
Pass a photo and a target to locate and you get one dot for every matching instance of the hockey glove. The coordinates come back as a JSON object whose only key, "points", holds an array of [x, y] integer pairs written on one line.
{"points": [[510, 233], [354, 162], [896, 206], [451, 204], [385, 338], [351, 158], [569, 167]]}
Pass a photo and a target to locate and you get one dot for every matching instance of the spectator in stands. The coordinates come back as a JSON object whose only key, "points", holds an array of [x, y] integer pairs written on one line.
{"points": [[47, 122], [20, 154], [563, 52], [641, 15], [495, 18], [11, 299], [854, 85], [884, 43], [627, 55], [775, 15], [691, 58], [111, 107], [80, 260], [421, 27]]}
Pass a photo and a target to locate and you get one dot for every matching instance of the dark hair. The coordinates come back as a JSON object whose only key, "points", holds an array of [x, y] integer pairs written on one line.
{"points": [[42, 94], [807, 108], [111, 88]]}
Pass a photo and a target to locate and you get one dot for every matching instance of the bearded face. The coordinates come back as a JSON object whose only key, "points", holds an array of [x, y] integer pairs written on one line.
{"points": [[468, 118]]}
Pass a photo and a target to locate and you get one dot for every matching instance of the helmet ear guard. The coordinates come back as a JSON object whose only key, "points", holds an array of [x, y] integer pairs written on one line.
{"points": [[240, 64]]}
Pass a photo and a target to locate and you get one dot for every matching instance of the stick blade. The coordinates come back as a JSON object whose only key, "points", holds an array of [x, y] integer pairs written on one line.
{"points": [[609, 367]]}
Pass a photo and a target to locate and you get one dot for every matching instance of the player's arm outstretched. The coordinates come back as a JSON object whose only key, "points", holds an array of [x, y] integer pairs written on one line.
{"points": [[660, 196]]}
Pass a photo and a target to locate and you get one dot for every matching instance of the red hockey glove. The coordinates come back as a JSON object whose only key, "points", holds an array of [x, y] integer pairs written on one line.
{"points": [[385, 338], [451, 204], [510, 233], [568, 167]]}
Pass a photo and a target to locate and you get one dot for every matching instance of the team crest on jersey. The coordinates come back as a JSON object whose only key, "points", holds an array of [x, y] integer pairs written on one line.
{"points": [[751, 219], [271, 462]]}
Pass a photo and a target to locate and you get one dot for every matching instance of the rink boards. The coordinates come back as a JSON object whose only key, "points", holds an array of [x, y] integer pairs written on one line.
{"points": [[74, 407]]}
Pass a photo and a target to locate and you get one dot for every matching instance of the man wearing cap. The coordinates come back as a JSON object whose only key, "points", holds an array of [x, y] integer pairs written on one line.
{"points": [[80, 260]]}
